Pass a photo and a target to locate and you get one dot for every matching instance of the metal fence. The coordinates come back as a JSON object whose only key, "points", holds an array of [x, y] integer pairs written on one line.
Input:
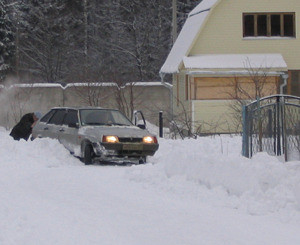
{"points": [[272, 124]]}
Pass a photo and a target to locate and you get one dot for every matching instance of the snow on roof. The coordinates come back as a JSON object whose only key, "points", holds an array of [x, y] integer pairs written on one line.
{"points": [[93, 84], [187, 35], [238, 61]]}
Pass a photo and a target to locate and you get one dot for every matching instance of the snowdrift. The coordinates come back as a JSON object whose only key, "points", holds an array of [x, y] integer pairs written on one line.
{"points": [[208, 168]]}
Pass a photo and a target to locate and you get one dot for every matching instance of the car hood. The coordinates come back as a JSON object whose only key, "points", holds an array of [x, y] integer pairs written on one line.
{"points": [[120, 131]]}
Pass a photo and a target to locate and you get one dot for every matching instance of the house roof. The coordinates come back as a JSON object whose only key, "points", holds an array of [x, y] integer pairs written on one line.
{"points": [[235, 61], [187, 36]]}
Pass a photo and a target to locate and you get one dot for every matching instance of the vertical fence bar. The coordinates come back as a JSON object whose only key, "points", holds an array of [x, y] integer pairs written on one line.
{"points": [[250, 122], [278, 130], [245, 143], [160, 124], [260, 133], [284, 131], [274, 129]]}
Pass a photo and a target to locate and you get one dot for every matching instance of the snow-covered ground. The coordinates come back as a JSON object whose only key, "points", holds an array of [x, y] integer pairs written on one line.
{"points": [[191, 192]]}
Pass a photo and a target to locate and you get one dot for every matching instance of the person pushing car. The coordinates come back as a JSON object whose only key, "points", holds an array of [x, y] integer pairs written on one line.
{"points": [[23, 129]]}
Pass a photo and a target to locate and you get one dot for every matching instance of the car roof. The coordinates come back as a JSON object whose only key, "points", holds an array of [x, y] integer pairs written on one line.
{"points": [[82, 108]]}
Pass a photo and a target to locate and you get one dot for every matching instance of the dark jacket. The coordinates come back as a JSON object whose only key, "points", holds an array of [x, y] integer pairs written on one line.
{"points": [[23, 129]]}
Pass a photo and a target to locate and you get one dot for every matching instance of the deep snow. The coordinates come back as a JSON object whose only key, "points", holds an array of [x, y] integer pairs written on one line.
{"points": [[191, 192]]}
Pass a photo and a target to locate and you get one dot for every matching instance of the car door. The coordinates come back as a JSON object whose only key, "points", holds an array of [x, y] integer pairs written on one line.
{"points": [[41, 129], [68, 132], [55, 123]]}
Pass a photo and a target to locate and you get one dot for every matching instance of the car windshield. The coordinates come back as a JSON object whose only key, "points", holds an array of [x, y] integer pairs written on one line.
{"points": [[103, 117]]}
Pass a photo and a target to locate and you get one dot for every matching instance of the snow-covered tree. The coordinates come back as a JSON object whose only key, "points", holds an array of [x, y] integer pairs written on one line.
{"points": [[6, 42], [49, 38], [93, 40]]}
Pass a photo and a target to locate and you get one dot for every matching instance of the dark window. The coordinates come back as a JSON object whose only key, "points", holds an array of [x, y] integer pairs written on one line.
{"points": [[71, 117], [58, 117], [261, 25], [269, 24], [289, 25], [47, 116], [249, 25], [275, 25]]}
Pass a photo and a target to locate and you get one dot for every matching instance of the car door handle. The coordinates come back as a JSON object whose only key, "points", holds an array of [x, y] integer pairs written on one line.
{"points": [[61, 130], [46, 128]]}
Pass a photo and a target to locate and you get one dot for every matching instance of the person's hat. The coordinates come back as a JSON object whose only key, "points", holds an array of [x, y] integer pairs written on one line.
{"points": [[38, 114]]}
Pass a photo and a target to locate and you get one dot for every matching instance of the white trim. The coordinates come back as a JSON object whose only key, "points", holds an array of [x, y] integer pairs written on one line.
{"points": [[58, 85], [35, 85], [269, 38], [235, 61], [241, 72]]}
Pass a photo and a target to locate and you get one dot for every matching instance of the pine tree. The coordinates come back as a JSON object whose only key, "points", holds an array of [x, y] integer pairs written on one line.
{"points": [[49, 41], [6, 43]]}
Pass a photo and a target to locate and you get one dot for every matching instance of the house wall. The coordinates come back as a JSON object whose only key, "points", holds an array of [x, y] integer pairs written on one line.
{"points": [[223, 31], [216, 116], [179, 99], [212, 105], [209, 88]]}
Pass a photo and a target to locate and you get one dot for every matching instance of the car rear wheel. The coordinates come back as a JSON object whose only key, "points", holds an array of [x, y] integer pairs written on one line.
{"points": [[88, 155]]}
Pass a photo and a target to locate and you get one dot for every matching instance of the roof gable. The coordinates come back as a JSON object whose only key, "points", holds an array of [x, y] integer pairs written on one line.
{"points": [[186, 37]]}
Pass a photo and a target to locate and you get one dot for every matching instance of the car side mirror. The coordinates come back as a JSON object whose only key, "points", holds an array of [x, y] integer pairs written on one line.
{"points": [[73, 125]]}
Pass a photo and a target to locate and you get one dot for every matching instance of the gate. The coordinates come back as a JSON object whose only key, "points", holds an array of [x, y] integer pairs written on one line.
{"points": [[272, 124]]}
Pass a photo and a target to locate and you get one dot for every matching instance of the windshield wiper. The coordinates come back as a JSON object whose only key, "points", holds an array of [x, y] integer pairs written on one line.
{"points": [[95, 123], [119, 124]]}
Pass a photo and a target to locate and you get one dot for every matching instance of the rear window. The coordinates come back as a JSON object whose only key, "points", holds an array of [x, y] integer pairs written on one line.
{"points": [[47, 116]]}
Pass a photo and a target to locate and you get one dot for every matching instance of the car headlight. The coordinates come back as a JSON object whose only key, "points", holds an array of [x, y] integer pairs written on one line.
{"points": [[110, 139], [150, 140]]}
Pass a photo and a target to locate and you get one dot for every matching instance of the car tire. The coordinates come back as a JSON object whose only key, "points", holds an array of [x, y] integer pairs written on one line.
{"points": [[88, 155], [143, 160]]}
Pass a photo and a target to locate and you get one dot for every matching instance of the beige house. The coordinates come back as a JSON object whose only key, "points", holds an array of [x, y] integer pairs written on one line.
{"points": [[230, 50]]}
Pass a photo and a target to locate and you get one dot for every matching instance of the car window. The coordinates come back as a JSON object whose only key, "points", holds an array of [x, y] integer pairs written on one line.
{"points": [[47, 116], [119, 118], [71, 117], [58, 117], [103, 117]]}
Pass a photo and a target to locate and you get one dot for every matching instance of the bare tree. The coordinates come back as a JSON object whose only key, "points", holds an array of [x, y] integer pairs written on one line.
{"points": [[94, 94], [241, 93], [18, 101]]}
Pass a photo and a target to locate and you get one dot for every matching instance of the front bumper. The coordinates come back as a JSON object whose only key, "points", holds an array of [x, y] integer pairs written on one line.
{"points": [[130, 150]]}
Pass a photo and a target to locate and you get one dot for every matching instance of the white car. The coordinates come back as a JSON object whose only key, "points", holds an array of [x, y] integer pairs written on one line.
{"points": [[97, 134]]}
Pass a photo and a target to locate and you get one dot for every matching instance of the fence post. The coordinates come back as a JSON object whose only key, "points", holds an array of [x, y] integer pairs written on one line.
{"points": [[245, 143], [278, 131], [161, 124], [284, 132]]}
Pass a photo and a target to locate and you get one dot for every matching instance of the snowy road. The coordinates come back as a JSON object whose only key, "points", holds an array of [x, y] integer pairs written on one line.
{"points": [[48, 197]]}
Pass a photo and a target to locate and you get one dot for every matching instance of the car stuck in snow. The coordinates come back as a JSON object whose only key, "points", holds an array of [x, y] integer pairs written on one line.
{"points": [[97, 134]]}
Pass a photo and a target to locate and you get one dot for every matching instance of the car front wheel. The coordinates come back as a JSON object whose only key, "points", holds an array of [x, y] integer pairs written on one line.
{"points": [[88, 155]]}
